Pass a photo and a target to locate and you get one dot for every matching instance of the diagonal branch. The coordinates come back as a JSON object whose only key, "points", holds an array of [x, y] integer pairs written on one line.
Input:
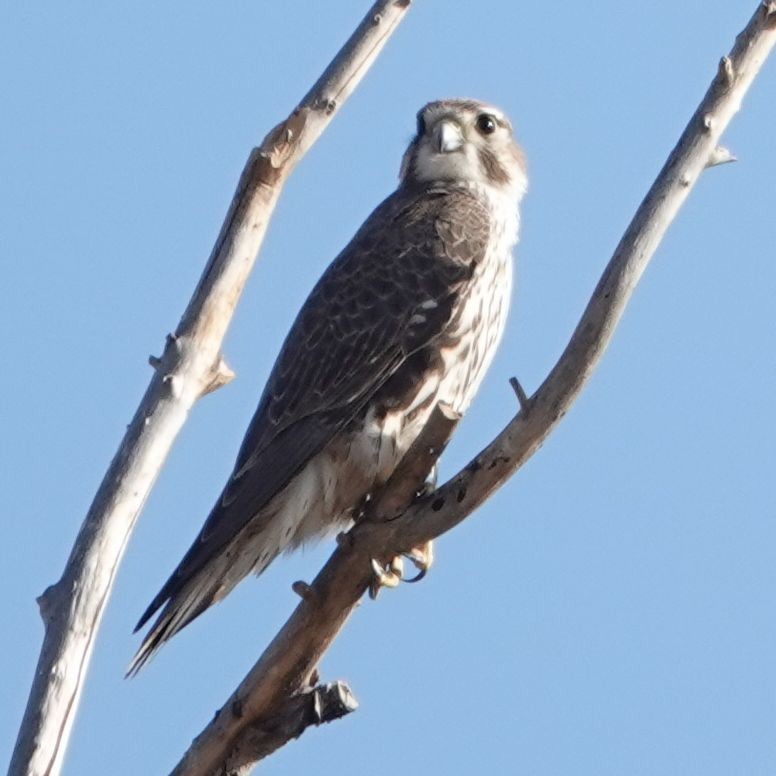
{"points": [[288, 663], [190, 367], [311, 707], [295, 651], [696, 150]]}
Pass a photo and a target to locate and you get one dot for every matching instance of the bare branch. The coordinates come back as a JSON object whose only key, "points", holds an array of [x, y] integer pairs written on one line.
{"points": [[411, 473], [288, 663], [310, 707], [522, 396], [295, 651], [457, 498], [219, 376], [720, 155], [190, 366]]}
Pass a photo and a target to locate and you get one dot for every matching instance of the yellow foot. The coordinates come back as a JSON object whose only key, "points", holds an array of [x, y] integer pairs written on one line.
{"points": [[422, 557], [391, 575], [385, 576]]}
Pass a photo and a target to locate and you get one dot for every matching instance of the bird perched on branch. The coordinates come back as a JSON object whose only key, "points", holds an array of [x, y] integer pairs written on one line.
{"points": [[408, 315]]}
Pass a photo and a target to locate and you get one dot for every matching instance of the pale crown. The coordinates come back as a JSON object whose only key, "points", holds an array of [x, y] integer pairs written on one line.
{"points": [[465, 141]]}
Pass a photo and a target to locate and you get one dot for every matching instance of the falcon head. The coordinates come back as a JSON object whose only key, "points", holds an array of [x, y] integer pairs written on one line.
{"points": [[465, 141]]}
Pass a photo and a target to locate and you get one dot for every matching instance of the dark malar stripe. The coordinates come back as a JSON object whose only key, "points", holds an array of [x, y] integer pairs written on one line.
{"points": [[495, 171]]}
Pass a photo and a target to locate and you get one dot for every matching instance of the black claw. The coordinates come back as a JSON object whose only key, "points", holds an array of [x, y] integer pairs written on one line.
{"points": [[417, 577]]}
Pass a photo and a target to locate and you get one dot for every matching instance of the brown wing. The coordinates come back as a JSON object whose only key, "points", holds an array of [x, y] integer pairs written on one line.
{"points": [[389, 293]]}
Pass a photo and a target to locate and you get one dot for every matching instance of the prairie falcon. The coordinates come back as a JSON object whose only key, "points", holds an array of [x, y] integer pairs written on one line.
{"points": [[409, 314]]}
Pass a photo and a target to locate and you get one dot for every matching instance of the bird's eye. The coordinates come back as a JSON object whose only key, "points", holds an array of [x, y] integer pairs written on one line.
{"points": [[421, 125], [486, 124]]}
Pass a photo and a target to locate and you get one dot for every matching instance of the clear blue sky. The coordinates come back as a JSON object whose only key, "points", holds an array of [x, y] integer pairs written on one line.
{"points": [[612, 610]]}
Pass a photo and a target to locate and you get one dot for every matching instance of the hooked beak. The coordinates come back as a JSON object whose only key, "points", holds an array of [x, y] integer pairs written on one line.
{"points": [[447, 137]]}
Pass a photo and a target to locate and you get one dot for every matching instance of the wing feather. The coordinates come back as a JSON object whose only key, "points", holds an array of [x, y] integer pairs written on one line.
{"points": [[389, 293]]}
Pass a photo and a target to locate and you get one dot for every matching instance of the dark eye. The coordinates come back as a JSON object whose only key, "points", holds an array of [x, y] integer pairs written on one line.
{"points": [[486, 124], [421, 125]]}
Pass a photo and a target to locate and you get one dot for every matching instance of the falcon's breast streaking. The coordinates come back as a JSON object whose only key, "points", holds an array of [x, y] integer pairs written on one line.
{"points": [[409, 314]]}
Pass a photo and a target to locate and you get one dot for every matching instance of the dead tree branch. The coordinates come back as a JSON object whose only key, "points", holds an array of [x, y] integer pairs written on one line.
{"points": [[190, 367], [288, 663], [309, 708], [294, 652]]}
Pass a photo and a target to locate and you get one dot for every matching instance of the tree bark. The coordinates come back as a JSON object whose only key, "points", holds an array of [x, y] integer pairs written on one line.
{"points": [[190, 367], [287, 666], [299, 645], [309, 708]]}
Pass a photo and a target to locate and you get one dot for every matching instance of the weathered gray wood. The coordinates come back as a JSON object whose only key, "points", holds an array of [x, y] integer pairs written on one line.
{"points": [[697, 149], [309, 708], [288, 664], [299, 645], [190, 366]]}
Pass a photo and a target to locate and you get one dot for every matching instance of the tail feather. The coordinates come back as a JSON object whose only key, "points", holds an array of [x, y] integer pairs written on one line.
{"points": [[185, 599], [156, 604], [176, 615]]}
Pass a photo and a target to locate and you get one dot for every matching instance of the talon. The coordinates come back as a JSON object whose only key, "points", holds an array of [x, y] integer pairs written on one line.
{"points": [[422, 557], [389, 576], [429, 486], [422, 573]]}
